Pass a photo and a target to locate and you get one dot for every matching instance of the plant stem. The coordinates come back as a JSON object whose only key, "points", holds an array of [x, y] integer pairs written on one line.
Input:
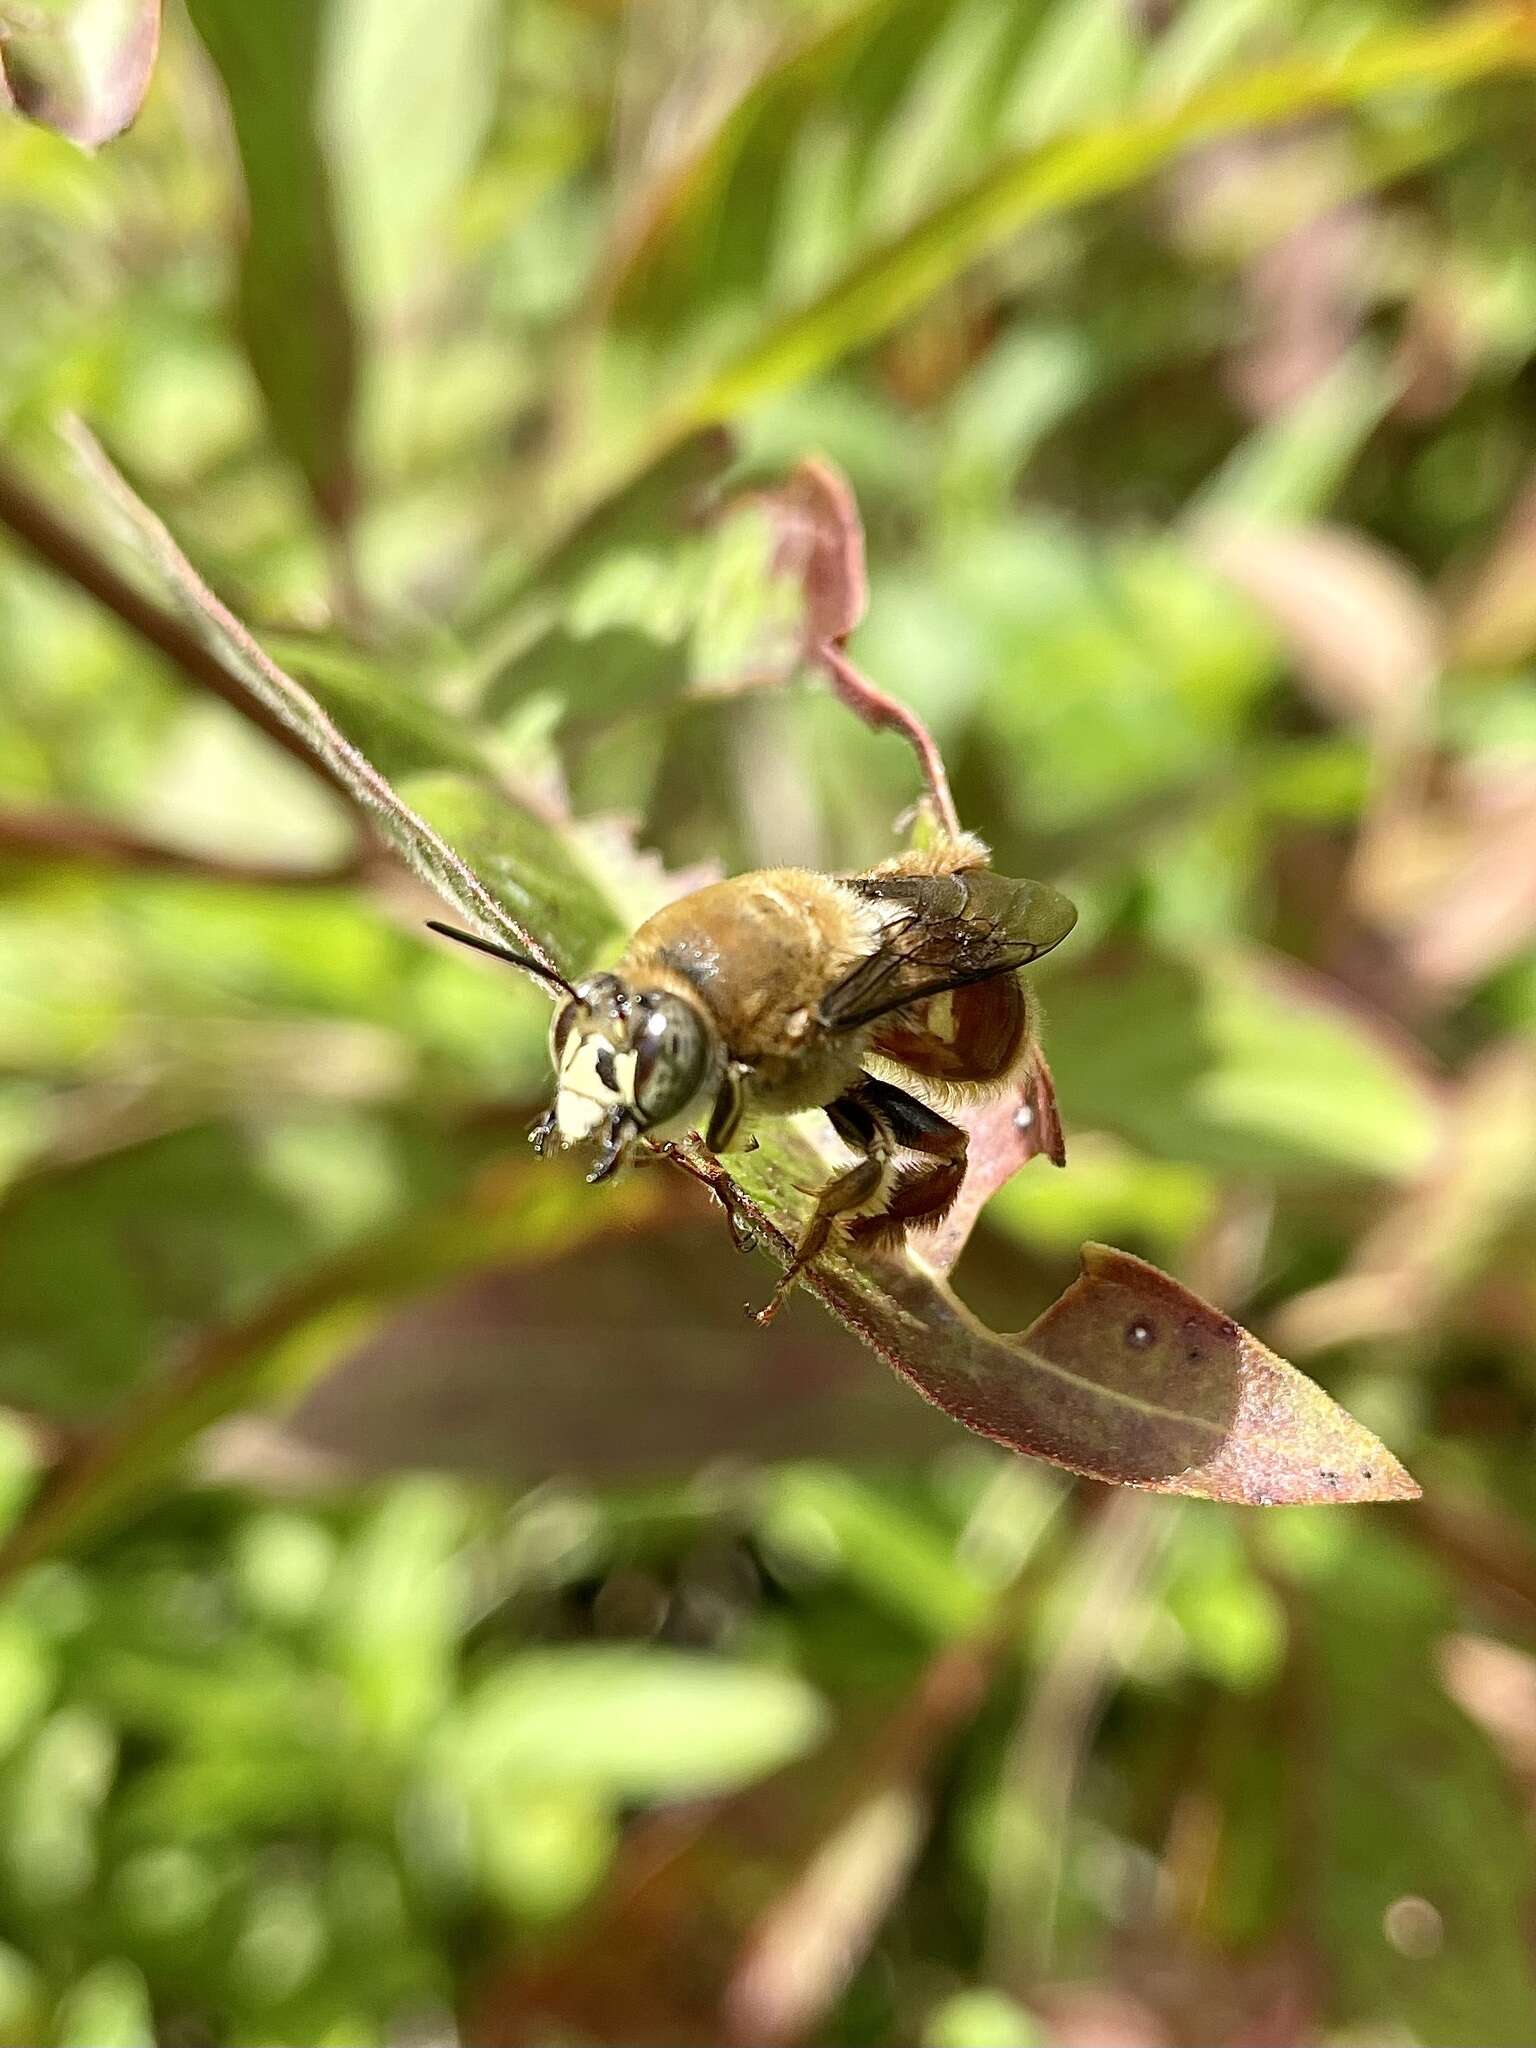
{"points": [[45, 536], [72, 836]]}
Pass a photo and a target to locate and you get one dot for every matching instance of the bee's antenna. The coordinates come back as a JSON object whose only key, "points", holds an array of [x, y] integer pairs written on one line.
{"points": [[524, 960]]}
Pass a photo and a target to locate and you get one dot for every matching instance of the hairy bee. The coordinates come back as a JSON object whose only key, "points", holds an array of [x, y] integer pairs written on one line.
{"points": [[788, 990]]}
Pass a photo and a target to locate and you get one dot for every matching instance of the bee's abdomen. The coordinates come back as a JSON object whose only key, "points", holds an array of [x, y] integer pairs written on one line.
{"points": [[970, 1037]]}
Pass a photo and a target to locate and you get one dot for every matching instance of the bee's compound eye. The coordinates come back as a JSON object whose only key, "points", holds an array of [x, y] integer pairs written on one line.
{"points": [[560, 1029], [671, 1053]]}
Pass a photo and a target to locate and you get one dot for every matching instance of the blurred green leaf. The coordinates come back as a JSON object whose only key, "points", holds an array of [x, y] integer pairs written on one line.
{"points": [[637, 1723], [593, 677], [833, 1521], [399, 1603], [1237, 1063], [109, 2007], [981, 2018], [100, 1267], [1293, 465], [1039, 182], [1424, 1882], [435, 64], [1232, 1621], [295, 309]]}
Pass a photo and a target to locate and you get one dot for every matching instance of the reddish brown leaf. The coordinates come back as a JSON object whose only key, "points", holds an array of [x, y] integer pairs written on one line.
{"points": [[1129, 1377], [821, 546], [1021, 1124], [84, 75]]}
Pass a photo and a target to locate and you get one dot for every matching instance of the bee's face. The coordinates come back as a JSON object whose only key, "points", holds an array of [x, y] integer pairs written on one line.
{"points": [[627, 1062]]}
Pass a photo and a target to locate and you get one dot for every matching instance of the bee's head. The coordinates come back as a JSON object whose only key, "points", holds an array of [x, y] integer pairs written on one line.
{"points": [[627, 1062]]}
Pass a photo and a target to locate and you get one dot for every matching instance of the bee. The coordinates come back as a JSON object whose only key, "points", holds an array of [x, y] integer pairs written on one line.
{"points": [[879, 998]]}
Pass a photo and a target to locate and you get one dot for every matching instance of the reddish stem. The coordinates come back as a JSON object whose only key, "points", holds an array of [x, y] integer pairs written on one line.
{"points": [[884, 713]]}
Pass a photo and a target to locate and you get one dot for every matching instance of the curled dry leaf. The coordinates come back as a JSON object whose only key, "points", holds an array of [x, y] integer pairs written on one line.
{"points": [[820, 546], [84, 74]]}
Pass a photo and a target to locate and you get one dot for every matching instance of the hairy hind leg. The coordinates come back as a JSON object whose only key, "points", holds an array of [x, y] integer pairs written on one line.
{"points": [[920, 1194], [862, 1128]]}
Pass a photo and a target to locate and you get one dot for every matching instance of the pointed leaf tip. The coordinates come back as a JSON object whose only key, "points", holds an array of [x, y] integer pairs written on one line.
{"points": [[1278, 1439]]}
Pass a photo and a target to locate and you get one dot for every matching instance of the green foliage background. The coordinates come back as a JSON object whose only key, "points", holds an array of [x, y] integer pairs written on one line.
{"points": [[411, 1553]]}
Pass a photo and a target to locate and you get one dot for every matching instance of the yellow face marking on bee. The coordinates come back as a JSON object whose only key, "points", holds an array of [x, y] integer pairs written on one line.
{"points": [[583, 1102]]}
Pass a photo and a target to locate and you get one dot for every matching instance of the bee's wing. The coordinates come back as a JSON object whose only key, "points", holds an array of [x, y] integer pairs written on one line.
{"points": [[950, 930]]}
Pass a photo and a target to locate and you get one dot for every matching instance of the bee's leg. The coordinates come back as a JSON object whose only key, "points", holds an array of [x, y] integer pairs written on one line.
{"points": [[541, 1134], [724, 1123], [743, 1236], [920, 1194], [863, 1130], [725, 1117]]}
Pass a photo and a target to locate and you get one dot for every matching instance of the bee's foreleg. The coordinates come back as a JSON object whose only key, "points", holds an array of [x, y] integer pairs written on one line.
{"points": [[729, 1106], [865, 1131], [541, 1134]]}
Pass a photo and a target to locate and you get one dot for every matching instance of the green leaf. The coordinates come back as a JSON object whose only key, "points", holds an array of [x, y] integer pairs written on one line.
{"points": [[410, 93], [637, 1723], [536, 875], [293, 1334], [833, 1517], [1042, 182], [400, 1600], [981, 2018], [1028, 186], [102, 1265], [1239, 1062], [295, 310], [715, 225], [109, 2007], [657, 496], [595, 677], [1425, 1881], [1292, 467]]}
